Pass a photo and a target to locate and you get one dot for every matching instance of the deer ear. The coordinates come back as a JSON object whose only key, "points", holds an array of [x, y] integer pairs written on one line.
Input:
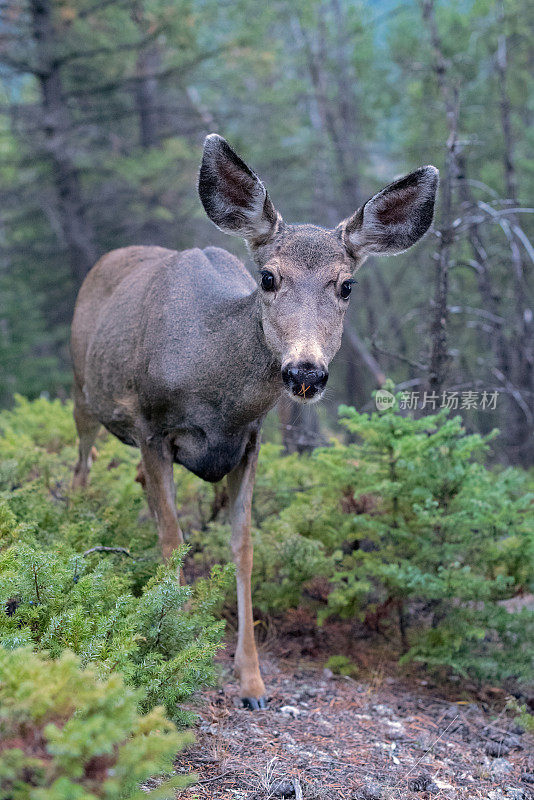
{"points": [[233, 196], [395, 218]]}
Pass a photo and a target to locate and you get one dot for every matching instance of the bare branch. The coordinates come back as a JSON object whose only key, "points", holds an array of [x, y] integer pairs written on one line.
{"points": [[100, 548], [515, 393], [362, 351], [399, 357]]}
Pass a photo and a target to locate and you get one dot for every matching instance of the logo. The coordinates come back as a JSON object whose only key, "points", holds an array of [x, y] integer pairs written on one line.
{"points": [[384, 400]]}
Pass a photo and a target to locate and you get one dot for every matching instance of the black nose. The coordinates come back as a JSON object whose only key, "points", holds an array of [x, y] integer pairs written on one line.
{"points": [[304, 379]]}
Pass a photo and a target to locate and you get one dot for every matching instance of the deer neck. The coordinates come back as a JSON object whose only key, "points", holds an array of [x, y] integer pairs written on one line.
{"points": [[260, 369]]}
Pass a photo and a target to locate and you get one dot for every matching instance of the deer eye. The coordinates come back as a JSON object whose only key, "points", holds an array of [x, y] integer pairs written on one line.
{"points": [[267, 281], [346, 289]]}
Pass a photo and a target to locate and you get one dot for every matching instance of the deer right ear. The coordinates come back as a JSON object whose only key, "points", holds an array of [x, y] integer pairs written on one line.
{"points": [[233, 196], [395, 218]]}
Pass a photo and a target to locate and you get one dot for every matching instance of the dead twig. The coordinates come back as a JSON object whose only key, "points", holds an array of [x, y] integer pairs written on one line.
{"points": [[101, 549], [214, 778]]}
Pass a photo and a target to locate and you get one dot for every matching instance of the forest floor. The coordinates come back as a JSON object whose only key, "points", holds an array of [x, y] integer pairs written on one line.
{"points": [[386, 735]]}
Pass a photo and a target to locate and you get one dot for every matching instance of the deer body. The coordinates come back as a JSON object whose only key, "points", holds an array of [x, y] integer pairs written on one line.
{"points": [[182, 353], [163, 361]]}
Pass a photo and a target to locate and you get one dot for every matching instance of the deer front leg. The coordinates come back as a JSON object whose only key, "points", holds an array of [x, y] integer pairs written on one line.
{"points": [[240, 487], [87, 427], [157, 466]]}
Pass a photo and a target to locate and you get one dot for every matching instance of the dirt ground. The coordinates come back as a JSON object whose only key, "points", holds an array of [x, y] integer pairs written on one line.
{"points": [[382, 736]]}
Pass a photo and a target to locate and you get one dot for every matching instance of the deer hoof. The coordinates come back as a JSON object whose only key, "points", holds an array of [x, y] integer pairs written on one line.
{"points": [[254, 703]]}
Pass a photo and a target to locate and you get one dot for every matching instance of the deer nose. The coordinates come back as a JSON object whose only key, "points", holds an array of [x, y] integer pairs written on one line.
{"points": [[304, 380]]}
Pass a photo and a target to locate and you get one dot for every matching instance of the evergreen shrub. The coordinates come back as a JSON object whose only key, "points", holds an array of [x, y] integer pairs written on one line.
{"points": [[67, 735]]}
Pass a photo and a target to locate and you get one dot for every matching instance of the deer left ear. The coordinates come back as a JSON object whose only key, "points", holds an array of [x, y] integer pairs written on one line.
{"points": [[395, 218], [233, 196]]}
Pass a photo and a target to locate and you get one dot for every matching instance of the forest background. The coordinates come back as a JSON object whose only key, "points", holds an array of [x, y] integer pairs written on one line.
{"points": [[104, 105]]}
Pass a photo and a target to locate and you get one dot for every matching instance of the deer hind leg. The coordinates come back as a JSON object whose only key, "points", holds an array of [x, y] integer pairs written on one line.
{"points": [[87, 427], [157, 479], [240, 486]]}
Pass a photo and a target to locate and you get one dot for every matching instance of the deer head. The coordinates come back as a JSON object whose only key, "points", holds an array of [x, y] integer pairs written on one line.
{"points": [[304, 271]]}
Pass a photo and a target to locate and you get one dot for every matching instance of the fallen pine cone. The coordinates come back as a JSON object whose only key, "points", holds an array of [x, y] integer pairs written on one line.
{"points": [[496, 749], [420, 784]]}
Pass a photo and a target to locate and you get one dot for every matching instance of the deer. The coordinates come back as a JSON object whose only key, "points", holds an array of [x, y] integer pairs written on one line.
{"points": [[182, 354]]}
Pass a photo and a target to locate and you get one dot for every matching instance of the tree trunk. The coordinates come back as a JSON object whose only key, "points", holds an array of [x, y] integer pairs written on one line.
{"points": [[439, 354], [520, 371], [346, 161], [146, 97], [76, 229]]}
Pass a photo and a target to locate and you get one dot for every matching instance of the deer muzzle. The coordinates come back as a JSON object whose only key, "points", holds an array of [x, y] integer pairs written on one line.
{"points": [[305, 381]]}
